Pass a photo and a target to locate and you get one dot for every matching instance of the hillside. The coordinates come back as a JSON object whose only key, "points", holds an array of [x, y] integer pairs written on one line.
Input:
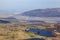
{"points": [[53, 12], [3, 21], [17, 31]]}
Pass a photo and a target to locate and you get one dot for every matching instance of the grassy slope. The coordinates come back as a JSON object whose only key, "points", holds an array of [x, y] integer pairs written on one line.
{"points": [[17, 32]]}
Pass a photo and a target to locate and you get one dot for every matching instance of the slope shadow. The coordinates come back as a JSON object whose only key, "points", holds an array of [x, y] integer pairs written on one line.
{"points": [[35, 39], [41, 32]]}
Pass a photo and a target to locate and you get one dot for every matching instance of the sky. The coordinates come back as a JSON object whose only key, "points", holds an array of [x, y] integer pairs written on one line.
{"points": [[25, 5]]}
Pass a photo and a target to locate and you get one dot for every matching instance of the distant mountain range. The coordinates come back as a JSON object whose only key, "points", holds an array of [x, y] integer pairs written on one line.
{"points": [[53, 12], [48, 15], [3, 21], [10, 19], [38, 15]]}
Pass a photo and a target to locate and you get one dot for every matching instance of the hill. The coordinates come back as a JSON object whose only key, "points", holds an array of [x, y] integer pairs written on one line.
{"points": [[53, 12], [3, 21]]}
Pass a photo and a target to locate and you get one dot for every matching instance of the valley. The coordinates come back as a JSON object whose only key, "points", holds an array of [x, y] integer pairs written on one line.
{"points": [[38, 24]]}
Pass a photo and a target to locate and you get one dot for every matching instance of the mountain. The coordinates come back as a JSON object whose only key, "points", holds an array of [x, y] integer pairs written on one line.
{"points": [[8, 16], [10, 19], [51, 15], [3, 21], [35, 21], [38, 22], [53, 12]]}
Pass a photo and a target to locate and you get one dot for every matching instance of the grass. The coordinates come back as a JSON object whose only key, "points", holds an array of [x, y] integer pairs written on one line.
{"points": [[13, 31]]}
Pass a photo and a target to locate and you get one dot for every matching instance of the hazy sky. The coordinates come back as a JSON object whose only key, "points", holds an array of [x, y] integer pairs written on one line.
{"points": [[24, 5]]}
